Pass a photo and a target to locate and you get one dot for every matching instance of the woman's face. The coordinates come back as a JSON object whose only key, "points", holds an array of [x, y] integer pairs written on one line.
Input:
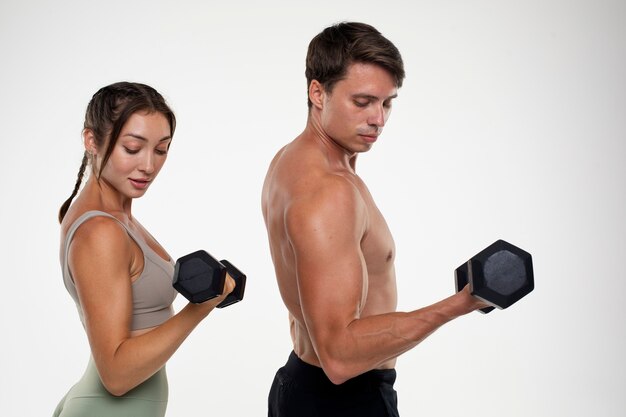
{"points": [[138, 155]]}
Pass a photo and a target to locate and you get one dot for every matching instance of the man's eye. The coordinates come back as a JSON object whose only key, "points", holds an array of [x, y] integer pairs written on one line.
{"points": [[360, 103]]}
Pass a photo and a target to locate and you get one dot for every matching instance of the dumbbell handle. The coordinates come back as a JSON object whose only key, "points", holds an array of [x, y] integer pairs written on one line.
{"points": [[240, 284], [461, 280]]}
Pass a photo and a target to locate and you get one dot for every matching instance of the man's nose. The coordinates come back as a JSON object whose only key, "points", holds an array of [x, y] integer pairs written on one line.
{"points": [[378, 116]]}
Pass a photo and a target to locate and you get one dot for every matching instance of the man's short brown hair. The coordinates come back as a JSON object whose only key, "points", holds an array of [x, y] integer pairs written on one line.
{"points": [[334, 49]]}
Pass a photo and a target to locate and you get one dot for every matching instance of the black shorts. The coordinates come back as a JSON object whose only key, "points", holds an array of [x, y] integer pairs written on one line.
{"points": [[303, 390]]}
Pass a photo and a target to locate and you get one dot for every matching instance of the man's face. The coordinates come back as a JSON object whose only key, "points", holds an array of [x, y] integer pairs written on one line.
{"points": [[356, 111]]}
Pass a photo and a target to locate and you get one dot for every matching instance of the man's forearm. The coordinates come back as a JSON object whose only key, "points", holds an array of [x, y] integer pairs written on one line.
{"points": [[368, 342]]}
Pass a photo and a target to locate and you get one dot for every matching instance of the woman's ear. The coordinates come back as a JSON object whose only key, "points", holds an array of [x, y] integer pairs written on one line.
{"points": [[89, 139]]}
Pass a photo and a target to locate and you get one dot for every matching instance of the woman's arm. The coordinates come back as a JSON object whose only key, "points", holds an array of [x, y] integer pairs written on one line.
{"points": [[103, 260]]}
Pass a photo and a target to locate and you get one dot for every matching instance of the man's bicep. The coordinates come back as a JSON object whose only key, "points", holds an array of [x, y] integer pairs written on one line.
{"points": [[330, 268]]}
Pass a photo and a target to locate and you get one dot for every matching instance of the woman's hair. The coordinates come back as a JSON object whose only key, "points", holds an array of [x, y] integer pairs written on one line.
{"points": [[107, 112], [334, 49]]}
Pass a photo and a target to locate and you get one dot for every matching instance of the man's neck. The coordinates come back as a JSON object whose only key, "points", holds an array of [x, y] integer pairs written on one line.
{"points": [[335, 153]]}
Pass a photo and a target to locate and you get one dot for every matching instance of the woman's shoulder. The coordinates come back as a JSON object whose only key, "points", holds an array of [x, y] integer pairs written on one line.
{"points": [[76, 216], [95, 228]]}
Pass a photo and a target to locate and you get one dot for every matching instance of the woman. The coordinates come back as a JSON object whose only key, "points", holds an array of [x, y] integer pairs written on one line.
{"points": [[116, 272]]}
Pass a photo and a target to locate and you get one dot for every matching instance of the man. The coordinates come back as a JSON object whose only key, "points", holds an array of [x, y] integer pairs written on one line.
{"points": [[332, 250]]}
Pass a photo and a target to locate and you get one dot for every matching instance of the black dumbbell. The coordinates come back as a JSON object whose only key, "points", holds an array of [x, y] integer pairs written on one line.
{"points": [[500, 275], [200, 277]]}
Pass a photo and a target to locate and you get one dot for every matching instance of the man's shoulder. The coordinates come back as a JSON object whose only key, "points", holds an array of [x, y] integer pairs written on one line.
{"points": [[306, 168], [324, 194]]}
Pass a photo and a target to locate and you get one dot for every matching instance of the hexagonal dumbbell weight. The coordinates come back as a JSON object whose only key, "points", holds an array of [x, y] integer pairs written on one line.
{"points": [[500, 275], [200, 277]]}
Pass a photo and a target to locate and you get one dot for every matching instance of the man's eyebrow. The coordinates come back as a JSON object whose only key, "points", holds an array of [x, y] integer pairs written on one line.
{"points": [[371, 97], [136, 136]]}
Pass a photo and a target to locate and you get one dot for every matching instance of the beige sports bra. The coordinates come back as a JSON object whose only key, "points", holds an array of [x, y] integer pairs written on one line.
{"points": [[153, 293]]}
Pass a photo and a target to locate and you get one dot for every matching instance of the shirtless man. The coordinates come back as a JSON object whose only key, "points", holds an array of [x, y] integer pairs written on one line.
{"points": [[332, 250]]}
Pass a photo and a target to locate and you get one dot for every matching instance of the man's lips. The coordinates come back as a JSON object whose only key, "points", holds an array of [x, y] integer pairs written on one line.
{"points": [[369, 137]]}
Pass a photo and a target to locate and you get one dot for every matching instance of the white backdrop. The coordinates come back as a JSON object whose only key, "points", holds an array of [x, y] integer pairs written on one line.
{"points": [[511, 124]]}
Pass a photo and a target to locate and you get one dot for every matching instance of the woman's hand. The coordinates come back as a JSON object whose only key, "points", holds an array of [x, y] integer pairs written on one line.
{"points": [[209, 305]]}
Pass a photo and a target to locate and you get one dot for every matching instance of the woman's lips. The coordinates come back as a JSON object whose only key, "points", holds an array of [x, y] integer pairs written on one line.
{"points": [[139, 183]]}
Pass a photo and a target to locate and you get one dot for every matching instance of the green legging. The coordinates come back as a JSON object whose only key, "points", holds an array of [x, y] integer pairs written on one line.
{"points": [[89, 398]]}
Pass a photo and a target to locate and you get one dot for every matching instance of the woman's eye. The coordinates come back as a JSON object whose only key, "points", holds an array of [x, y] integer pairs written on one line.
{"points": [[131, 151], [160, 151]]}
